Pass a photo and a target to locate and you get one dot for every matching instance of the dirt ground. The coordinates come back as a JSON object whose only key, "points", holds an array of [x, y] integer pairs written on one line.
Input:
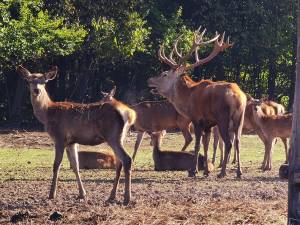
{"points": [[158, 198]]}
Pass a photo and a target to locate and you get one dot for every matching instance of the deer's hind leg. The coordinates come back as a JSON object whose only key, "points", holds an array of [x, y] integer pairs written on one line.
{"points": [[72, 153], [125, 161], [137, 144]]}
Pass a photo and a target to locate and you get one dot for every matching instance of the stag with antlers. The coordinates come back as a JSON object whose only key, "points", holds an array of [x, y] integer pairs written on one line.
{"points": [[205, 103], [69, 124]]}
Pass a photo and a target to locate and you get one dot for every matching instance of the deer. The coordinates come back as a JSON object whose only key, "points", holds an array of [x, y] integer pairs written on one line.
{"points": [[205, 103], [155, 116], [69, 124], [272, 126], [268, 107], [174, 160], [96, 160]]}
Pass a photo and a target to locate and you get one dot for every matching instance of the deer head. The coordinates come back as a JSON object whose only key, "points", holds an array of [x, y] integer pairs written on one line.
{"points": [[37, 81], [164, 82], [108, 96]]}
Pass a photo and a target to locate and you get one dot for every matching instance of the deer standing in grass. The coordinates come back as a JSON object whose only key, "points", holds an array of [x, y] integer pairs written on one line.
{"points": [[268, 108], [205, 103], [272, 126], [70, 123], [155, 116]]}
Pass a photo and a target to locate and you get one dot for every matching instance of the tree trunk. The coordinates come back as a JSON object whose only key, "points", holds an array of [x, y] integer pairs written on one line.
{"points": [[294, 158]]}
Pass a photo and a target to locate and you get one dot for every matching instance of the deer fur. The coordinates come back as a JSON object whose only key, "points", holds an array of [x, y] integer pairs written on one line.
{"points": [[155, 116], [272, 126], [69, 123], [174, 160], [96, 160]]}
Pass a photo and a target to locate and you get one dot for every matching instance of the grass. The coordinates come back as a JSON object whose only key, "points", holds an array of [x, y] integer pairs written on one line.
{"points": [[157, 197], [29, 164]]}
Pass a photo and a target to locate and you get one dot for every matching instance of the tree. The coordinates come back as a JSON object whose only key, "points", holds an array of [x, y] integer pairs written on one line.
{"points": [[294, 158]]}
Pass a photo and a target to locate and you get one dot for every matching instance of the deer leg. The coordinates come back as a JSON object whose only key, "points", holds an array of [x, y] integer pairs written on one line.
{"points": [[227, 138], [198, 133], [59, 152], [215, 144], [284, 140], [72, 153], [187, 138], [205, 142], [268, 149], [221, 147], [138, 142], [126, 162], [235, 154], [264, 140], [113, 192]]}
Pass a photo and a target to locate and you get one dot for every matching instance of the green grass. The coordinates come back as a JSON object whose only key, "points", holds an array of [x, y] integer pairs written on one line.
{"points": [[36, 164]]}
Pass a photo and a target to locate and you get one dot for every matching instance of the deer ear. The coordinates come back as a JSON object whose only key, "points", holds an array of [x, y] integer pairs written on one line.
{"points": [[23, 71], [249, 97], [51, 74], [112, 92]]}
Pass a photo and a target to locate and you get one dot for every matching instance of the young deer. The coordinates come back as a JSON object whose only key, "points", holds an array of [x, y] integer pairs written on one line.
{"points": [[155, 116], [174, 160], [205, 103], [69, 123], [272, 126], [96, 160], [269, 108]]}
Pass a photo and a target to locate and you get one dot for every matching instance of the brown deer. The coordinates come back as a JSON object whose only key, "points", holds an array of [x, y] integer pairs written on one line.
{"points": [[174, 160], [96, 160], [272, 126], [69, 123], [205, 103], [268, 108], [155, 116]]}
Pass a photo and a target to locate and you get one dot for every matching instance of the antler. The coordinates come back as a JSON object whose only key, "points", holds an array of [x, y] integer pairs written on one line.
{"points": [[197, 43], [218, 47]]}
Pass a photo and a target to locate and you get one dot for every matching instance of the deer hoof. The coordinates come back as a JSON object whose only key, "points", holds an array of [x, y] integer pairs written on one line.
{"points": [[239, 174], [192, 173], [221, 175], [52, 196], [126, 201]]}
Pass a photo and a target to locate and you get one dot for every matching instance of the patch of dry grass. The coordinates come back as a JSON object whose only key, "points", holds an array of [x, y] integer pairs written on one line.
{"points": [[158, 197]]}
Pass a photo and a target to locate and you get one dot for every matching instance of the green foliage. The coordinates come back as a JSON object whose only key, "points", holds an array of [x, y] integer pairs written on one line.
{"points": [[28, 33], [114, 41]]}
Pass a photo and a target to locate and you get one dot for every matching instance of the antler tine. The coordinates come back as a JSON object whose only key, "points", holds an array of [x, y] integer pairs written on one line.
{"points": [[179, 55], [171, 56], [218, 47], [196, 54], [163, 58], [199, 28]]}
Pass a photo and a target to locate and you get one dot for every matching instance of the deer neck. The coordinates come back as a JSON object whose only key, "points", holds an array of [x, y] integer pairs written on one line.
{"points": [[180, 95], [40, 105]]}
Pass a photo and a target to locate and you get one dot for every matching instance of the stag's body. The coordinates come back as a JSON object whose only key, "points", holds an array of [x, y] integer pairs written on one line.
{"points": [[272, 126], [156, 116], [205, 103], [96, 160], [88, 124], [174, 160]]}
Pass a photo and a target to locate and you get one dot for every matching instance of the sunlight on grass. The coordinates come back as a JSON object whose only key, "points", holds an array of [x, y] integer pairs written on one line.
{"points": [[36, 164]]}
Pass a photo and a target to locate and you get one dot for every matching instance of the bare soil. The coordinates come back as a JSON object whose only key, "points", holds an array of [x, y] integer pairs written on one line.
{"points": [[158, 198]]}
